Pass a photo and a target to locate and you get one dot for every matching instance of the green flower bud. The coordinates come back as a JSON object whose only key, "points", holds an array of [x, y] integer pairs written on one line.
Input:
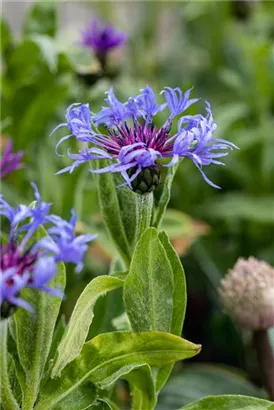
{"points": [[146, 181]]}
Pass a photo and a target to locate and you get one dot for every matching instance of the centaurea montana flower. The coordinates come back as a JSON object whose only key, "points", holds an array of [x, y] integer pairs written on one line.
{"points": [[101, 39], [30, 263], [10, 161], [135, 146]]}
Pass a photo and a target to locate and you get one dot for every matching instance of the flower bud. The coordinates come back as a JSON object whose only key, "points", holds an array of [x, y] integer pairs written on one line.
{"points": [[147, 180], [247, 294]]}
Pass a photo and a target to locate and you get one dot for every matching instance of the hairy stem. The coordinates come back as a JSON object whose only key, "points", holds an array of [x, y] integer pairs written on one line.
{"points": [[6, 395], [144, 213], [266, 359]]}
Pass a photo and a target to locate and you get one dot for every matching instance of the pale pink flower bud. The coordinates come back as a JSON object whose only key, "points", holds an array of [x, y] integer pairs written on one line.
{"points": [[247, 294]]}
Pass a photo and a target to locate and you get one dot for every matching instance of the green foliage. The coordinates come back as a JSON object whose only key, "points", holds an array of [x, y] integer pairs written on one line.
{"points": [[80, 321], [198, 381], [149, 286], [6, 395], [142, 388], [155, 290], [110, 206], [162, 194], [229, 402], [230, 63], [105, 404], [5, 36], [41, 19], [179, 301], [111, 355], [242, 207]]}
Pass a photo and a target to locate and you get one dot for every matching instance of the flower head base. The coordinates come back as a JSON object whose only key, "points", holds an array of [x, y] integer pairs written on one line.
{"points": [[10, 161], [101, 39], [133, 143], [247, 294], [146, 181], [30, 263]]}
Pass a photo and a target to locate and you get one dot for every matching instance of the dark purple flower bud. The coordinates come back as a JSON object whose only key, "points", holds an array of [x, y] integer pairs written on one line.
{"points": [[101, 39]]}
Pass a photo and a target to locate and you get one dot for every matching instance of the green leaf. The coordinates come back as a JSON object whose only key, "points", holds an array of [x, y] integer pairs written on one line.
{"points": [[121, 322], [20, 374], [229, 402], [34, 331], [179, 302], [179, 295], [81, 319], [128, 212], [45, 102], [57, 336], [198, 381], [110, 209], [5, 35], [162, 193], [241, 206], [6, 395], [48, 50], [148, 288], [14, 382], [108, 307], [142, 388], [109, 356], [106, 404], [41, 19], [83, 397]]}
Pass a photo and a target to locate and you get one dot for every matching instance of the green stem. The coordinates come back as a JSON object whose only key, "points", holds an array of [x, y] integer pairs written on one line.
{"points": [[266, 359], [144, 213], [6, 394]]}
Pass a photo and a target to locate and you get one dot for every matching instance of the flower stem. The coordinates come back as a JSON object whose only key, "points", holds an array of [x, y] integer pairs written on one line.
{"points": [[6, 393], [144, 213], [266, 359]]}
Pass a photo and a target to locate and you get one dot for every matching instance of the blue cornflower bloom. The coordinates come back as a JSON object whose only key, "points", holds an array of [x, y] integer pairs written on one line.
{"points": [[135, 146], [31, 263], [101, 38]]}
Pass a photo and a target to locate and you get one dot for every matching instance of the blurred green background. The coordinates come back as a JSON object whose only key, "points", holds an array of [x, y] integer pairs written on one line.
{"points": [[226, 50]]}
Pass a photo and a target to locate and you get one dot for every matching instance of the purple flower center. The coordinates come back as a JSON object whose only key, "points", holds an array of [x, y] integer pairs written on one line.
{"points": [[147, 135], [140, 145], [12, 257]]}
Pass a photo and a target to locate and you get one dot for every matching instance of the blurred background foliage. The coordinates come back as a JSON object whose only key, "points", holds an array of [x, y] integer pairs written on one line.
{"points": [[226, 50]]}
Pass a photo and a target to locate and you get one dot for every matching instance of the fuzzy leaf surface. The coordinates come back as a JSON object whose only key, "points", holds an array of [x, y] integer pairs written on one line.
{"points": [[110, 209], [148, 288], [105, 357], [230, 402], [81, 319]]}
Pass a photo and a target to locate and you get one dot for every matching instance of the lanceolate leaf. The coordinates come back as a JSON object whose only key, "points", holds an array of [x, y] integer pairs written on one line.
{"points": [[108, 354], [6, 396], [34, 331], [148, 289], [179, 301], [142, 388], [106, 404], [162, 194], [81, 398], [127, 203], [229, 402], [198, 381], [110, 208], [179, 295], [81, 318]]}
